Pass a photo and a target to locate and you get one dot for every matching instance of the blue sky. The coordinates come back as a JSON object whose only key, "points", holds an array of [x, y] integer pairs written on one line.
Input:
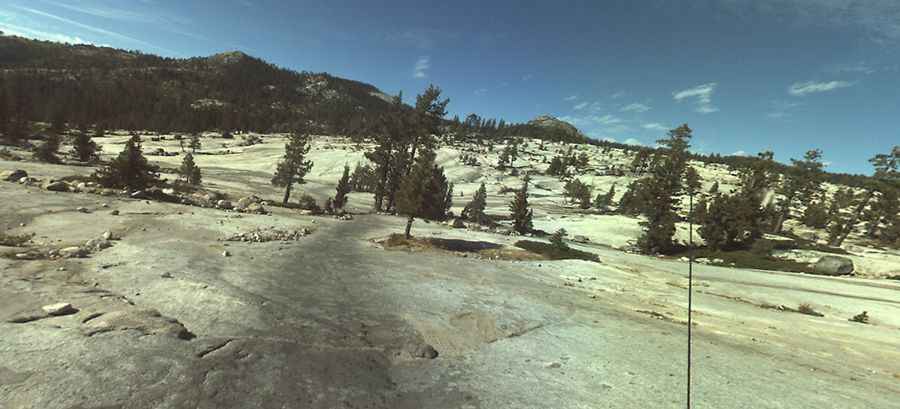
{"points": [[786, 75]]}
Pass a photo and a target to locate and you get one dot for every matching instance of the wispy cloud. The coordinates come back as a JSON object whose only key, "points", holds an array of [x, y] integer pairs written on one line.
{"points": [[169, 22], [618, 94], [480, 91], [701, 95], [800, 89], [422, 65], [782, 109], [97, 30], [581, 106], [632, 141], [606, 119], [655, 127], [739, 153], [20, 31], [570, 98], [635, 107]]}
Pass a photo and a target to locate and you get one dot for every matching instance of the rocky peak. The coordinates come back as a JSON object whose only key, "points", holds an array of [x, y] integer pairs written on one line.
{"points": [[549, 121]]}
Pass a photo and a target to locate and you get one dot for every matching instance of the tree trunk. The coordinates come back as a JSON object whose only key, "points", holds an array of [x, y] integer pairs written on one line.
{"points": [[287, 193], [409, 223]]}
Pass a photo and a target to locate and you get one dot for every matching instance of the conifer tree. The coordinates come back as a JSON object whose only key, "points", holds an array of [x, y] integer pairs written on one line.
{"points": [[557, 239], [195, 142], [692, 181], [85, 148], [343, 188], [474, 210], [129, 169], [293, 165], [414, 194], [887, 171], [189, 171], [604, 200], [815, 215], [46, 152], [520, 213], [801, 183], [665, 187]]}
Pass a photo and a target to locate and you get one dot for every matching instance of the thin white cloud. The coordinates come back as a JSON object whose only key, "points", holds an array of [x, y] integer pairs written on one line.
{"points": [[572, 120], [635, 107], [739, 153], [480, 91], [422, 65], [581, 106], [606, 119], [800, 89], [12, 29], [570, 98], [655, 127], [701, 95], [98, 30], [632, 141], [617, 95]]}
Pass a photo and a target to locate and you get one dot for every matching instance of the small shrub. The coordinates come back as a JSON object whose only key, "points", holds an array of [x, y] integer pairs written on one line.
{"points": [[862, 318], [557, 239], [12, 240], [307, 202], [506, 189], [807, 309], [553, 252]]}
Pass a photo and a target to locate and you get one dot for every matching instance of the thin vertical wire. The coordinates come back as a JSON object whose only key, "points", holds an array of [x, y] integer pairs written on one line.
{"points": [[690, 292]]}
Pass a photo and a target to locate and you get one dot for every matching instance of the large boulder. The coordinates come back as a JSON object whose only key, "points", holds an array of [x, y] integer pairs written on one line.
{"points": [[551, 122], [57, 186], [833, 266], [13, 175]]}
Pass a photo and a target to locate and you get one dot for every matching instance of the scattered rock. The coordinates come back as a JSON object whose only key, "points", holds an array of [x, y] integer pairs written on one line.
{"points": [[59, 309], [114, 212], [13, 175], [224, 204], [146, 321], [166, 275], [833, 266], [226, 253], [107, 235], [552, 365], [57, 186], [71, 252], [95, 245], [581, 239], [250, 204], [270, 234], [83, 210]]}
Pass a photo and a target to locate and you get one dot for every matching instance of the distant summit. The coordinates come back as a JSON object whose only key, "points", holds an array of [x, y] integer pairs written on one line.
{"points": [[549, 121], [228, 57]]}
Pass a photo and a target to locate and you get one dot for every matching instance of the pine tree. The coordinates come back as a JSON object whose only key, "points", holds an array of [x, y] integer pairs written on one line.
{"points": [[189, 171], [698, 216], [46, 152], [474, 210], [414, 195], [130, 169], [887, 171], [664, 189], [521, 214], [85, 148], [603, 201], [692, 183], [343, 188], [557, 239], [195, 142], [293, 166], [815, 215], [801, 183]]}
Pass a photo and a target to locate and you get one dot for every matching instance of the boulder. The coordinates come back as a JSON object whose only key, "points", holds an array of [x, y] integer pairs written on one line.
{"points": [[59, 309], [224, 204], [13, 175], [581, 239], [95, 245], [57, 186], [833, 266]]}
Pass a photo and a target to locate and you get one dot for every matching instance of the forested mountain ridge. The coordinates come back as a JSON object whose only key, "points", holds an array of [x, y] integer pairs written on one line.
{"points": [[132, 90]]}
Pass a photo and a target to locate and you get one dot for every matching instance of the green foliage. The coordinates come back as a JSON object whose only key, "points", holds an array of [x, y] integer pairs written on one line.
{"points": [[195, 144], [553, 252], [423, 192], [701, 207], [578, 192], [47, 151], [603, 201], [474, 210], [129, 169], [363, 179], [189, 171], [663, 190], [558, 167], [293, 166], [85, 148], [692, 182], [815, 215], [307, 202], [343, 188], [558, 239], [520, 212], [731, 222]]}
